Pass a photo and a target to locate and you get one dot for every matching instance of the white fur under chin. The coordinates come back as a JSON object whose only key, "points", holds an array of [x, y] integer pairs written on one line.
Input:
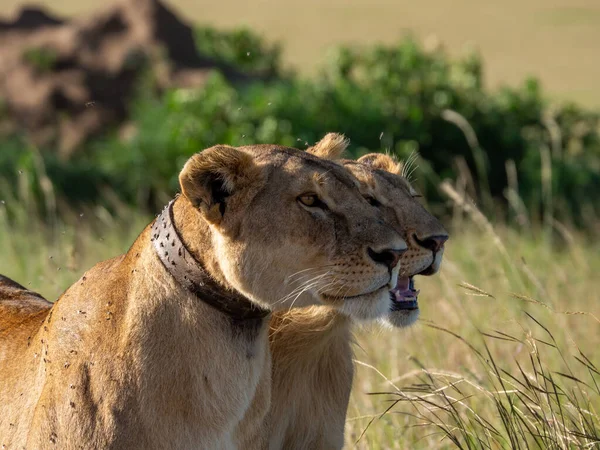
{"points": [[368, 308], [399, 319]]}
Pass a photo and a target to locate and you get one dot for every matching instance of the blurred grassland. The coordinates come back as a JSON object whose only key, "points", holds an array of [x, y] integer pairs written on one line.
{"points": [[491, 279]]}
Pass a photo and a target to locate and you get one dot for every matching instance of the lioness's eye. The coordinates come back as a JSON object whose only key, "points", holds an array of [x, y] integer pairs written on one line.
{"points": [[372, 201], [311, 200]]}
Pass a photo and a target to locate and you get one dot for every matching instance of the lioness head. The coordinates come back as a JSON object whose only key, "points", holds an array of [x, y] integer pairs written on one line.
{"points": [[423, 233], [383, 185], [287, 228]]}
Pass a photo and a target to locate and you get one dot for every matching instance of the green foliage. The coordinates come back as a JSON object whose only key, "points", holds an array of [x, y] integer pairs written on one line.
{"points": [[240, 48], [398, 98], [32, 176]]}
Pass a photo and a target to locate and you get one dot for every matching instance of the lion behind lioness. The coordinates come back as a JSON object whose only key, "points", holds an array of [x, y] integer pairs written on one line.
{"points": [[166, 345], [311, 347]]}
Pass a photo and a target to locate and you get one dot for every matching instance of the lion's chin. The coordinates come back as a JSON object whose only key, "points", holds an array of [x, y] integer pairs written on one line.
{"points": [[401, 319]]}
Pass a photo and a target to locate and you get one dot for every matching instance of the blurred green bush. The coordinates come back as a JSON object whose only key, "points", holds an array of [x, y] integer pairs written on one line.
{"points": [[507, 147], [240, 48]]}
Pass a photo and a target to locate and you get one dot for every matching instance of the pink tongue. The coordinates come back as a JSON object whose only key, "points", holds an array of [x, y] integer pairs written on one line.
{"points": [[403, 284]]}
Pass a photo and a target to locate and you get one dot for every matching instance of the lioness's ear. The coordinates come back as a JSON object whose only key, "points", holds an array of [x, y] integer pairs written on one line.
{"points": [[381, 161], [209, 177], [330, 147]]}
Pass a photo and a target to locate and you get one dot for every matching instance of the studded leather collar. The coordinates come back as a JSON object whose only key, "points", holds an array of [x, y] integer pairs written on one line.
{"points": [[188, 272]]}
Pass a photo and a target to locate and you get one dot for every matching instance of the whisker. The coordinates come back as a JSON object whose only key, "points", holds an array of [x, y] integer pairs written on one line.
{"points": [[309, 269], [305, 276], [410, 165], [316, 283], [309, 284]]}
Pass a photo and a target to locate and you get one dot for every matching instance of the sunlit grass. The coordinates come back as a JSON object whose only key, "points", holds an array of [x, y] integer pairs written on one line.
{"points": [[505, 354], [49, 255]]}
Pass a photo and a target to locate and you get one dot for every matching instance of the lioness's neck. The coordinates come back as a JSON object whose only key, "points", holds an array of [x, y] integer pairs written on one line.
{"points": [[154, 292], [197, 237]]}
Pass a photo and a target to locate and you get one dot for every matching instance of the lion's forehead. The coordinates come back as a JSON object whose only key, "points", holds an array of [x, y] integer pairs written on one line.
{"points": [[373, 185], [302, 165], [393, 191]]}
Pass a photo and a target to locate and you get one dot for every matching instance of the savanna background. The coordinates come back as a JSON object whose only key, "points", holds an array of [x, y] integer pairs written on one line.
{"points": [[496, 105]]}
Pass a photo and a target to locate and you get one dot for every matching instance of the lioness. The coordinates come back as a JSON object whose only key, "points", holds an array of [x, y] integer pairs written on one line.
{"points": [[311, 347], [166, 345]]}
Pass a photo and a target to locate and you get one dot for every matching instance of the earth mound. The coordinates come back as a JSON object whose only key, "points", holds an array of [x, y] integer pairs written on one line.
{"points": [[63, 81]]}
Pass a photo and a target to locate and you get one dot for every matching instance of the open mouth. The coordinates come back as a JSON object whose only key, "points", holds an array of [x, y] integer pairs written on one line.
{"points": [[404, 296]]}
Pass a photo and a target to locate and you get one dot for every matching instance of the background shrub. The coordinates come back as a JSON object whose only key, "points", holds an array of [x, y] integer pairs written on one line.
{"points": [[398, 98]]}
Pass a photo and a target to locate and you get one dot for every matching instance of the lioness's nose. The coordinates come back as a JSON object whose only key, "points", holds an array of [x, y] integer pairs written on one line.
{"points": [[389, 256], [433, 243]]}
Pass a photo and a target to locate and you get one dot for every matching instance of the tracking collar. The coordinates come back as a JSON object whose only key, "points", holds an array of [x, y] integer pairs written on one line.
{"points": [[188, 272]]}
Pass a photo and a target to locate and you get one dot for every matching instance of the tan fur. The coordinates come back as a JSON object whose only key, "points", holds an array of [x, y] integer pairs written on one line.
{"points": [[382, 162], [332, 146], [311, 348], [129, 359], [312, 378]]}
